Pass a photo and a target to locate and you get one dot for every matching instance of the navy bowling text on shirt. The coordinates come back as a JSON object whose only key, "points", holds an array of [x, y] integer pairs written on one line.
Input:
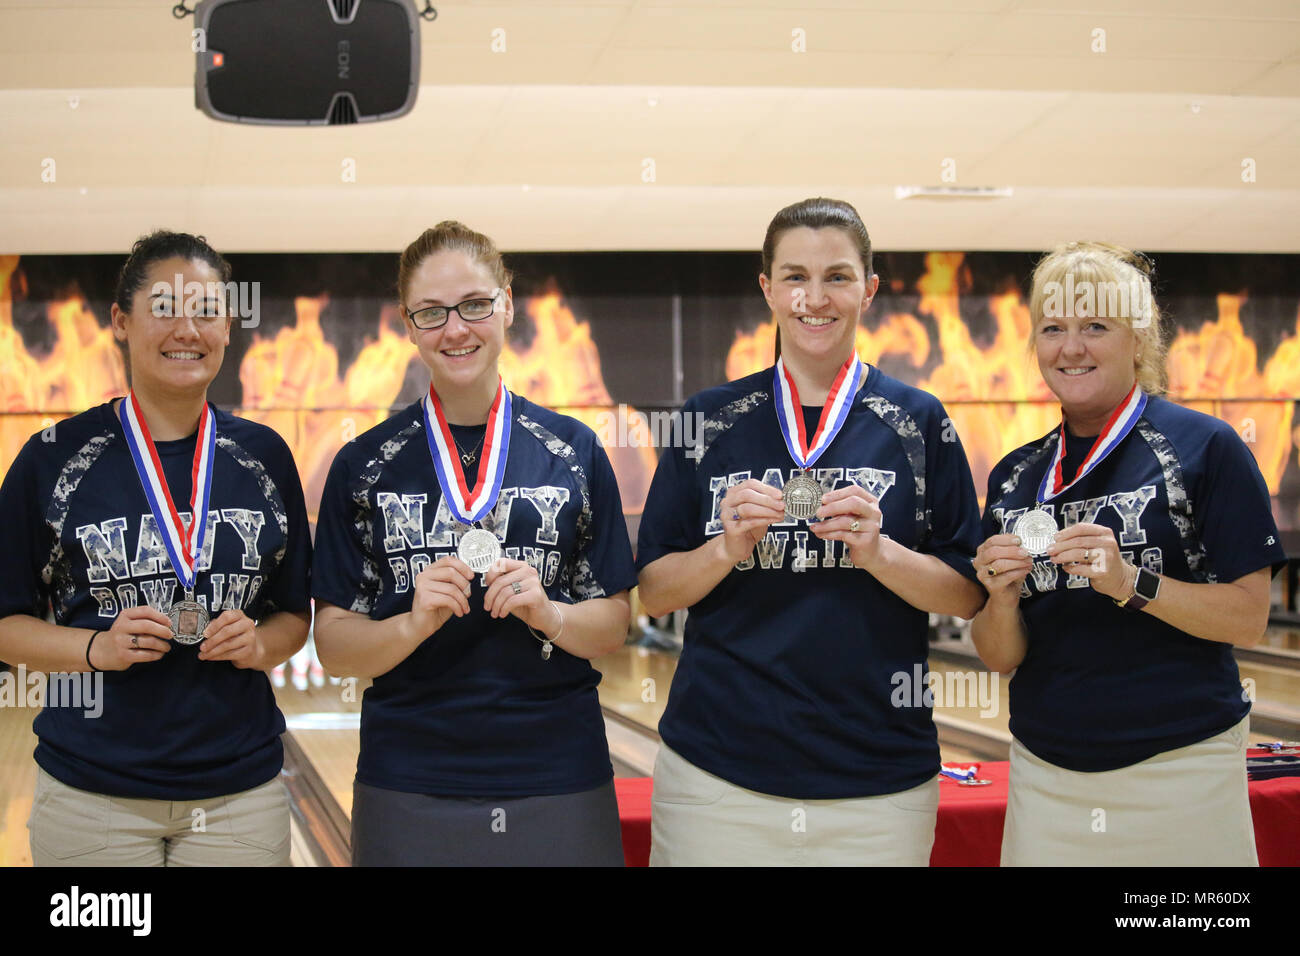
{"points": [[788, 676], [122, 570], [474, 710], [81, 541], [1103, 687], [405, 530], [789, 543]]}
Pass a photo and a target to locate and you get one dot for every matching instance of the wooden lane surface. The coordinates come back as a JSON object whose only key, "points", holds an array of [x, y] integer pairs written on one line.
{"points": [[331, 746], [17, 783]]}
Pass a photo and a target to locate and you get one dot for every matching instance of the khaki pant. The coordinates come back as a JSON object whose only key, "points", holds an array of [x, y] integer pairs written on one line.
{"points": [[698, 819], [71, 827], [1184, 807]]}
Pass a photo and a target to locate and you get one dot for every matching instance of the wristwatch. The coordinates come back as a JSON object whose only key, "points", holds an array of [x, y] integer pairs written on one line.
{"points": [[1146, 588]]}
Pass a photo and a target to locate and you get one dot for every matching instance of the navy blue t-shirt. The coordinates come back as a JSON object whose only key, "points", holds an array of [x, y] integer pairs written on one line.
{"points": [[1103, 687], [474, 710], [789, 666], [79, 536]]}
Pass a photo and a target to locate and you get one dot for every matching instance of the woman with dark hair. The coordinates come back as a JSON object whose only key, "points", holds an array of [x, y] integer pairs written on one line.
{"points": [[170, 541], [825, 511], [472, 557], [1127, 551]]}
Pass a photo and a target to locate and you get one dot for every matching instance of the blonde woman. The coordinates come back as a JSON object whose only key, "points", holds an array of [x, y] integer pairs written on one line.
{"points": [[1126, 553]]}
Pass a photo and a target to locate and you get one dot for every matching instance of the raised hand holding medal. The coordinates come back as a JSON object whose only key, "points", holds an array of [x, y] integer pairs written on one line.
{"points": [[747, 510], [184, 544], [1037, 528], [852, 515], [234, 637]]}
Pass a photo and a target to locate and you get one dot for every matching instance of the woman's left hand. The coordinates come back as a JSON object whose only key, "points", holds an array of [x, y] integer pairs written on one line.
{"points": [[513, 587], [232, 636], [851, 514], [1091, 551]]}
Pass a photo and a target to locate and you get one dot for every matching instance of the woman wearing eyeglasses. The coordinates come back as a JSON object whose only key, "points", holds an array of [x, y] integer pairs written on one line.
{"points": [[471, 558]]}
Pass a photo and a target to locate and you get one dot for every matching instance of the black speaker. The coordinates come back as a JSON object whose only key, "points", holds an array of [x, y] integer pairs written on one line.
{"points": [[306, 62]]}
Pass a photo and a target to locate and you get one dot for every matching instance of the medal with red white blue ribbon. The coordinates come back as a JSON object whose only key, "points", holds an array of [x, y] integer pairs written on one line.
{"points": [[967, 777], [467, 503], [184, 543], [1037, 528], [803, 493]]}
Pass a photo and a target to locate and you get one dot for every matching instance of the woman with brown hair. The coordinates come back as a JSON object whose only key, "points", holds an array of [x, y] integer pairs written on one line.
{"points": [[170, 540], [472, 559], [827, 509]]}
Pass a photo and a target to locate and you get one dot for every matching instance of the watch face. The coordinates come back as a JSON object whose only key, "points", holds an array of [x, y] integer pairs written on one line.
{"points": [[1148, 584]]}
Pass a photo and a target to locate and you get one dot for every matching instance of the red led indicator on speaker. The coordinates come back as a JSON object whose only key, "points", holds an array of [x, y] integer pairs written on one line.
{"points": [[218, 59]]}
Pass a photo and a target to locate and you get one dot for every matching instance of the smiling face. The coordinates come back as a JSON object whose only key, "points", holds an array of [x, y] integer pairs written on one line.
{"points": [[461, 356], [177, 330], [1090, 365], [818, 290]]}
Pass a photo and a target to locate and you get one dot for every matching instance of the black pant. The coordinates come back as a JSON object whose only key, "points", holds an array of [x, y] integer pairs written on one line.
{"points": [[390, 828]]}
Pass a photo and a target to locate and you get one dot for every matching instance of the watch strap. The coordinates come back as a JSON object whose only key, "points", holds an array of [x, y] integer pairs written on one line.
{"points": [[1146, 588]]}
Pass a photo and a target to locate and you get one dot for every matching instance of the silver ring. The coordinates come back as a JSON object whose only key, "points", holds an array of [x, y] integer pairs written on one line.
{"points": [[735, 516], [1087, 555], [856, 524], [135, 641], [514, 586]]}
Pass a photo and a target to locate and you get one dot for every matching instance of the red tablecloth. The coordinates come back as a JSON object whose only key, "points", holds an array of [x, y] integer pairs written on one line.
{"points": [[969, 828]]}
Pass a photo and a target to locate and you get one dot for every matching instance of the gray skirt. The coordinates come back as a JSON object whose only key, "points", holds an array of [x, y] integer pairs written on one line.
{"points": [[390, 828]]}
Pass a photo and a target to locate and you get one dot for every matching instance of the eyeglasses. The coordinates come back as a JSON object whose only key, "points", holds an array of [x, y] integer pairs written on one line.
{"points": [[471, 310]]}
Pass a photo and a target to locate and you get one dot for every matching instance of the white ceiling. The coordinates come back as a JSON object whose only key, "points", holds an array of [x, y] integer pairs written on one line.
{"points": [[544, 146]]}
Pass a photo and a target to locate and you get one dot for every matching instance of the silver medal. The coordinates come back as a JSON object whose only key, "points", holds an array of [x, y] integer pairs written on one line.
{"points": [[803, 496], [1036, 530], [189, 620], [479, 549]]}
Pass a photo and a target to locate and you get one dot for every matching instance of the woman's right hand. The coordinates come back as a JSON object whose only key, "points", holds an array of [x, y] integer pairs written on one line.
{"points": [[138, 635], [1001, 564], [441, 590], [747, 510]]}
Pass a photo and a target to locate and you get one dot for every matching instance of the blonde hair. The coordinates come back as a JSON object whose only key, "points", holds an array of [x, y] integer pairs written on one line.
{"points": [[450, 234], [1104, 264]]}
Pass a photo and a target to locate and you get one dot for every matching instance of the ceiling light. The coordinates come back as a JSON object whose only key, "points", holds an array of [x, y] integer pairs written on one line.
{"points": [[952, 192]]}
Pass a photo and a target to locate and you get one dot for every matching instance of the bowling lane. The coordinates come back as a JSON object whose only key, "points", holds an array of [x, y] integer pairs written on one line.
{"points": [[17, 783], [325, 720]]}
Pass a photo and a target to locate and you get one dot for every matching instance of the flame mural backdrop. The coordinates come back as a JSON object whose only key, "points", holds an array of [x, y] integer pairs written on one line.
{"points": [[614, 338]]}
